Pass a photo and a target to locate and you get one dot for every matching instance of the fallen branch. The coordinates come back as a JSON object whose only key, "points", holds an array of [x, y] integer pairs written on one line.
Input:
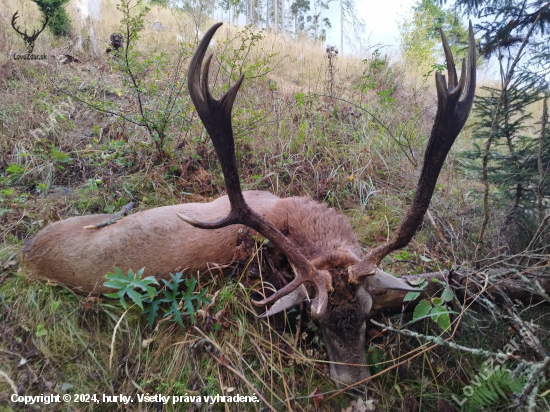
{"points": [[442, 342], [470, 282], [123, 212], [529, 393]]}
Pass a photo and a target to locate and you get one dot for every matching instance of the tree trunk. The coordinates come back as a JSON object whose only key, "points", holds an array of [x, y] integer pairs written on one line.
{"points": [[542, 173], [95, 49], [267, 14], [315, 17], [388, 302], [342, 28], [321, 20], [276, 15], [517, 199], [283, 16]]}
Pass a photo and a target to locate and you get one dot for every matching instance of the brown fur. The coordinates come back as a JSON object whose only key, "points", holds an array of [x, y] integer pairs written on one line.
{"points": [[155, 239], [314, 228], [159, 241]]}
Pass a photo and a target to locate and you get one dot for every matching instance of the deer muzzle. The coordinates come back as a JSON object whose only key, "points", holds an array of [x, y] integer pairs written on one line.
{"points": [[347, 356]]}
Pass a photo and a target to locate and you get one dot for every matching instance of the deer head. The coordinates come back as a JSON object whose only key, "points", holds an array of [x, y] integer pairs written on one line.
{"points": [[342, 272], [29, 39]]}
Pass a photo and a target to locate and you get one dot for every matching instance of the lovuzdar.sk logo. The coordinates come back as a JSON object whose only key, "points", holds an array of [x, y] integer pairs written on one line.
{"points": [[29, 40]]}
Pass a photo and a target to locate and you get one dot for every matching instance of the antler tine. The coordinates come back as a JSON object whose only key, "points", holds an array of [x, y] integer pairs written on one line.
{"points": [[322, 294], [451, 68], [216, 117], [13, 19], [467, 99], [453, 107]]}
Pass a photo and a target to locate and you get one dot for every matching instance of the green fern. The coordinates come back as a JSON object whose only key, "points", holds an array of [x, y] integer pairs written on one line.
{"points": [[492, 391]]}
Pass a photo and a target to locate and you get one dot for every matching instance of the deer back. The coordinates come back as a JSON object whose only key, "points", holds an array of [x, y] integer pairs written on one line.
{"points": [[156, 239]]}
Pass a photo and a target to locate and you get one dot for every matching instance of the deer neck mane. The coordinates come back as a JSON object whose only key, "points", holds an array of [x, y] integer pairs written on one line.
{"points": [[316, 228]]}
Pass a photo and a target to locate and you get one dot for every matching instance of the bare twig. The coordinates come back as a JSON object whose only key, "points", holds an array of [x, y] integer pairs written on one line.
{"points": [[241, 376], [114, 336], [440, 341], [8, 379], [123, 212], [535, 237]]}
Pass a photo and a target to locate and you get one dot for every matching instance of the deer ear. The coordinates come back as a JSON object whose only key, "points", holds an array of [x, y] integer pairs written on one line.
{"points": [[365, 298], [384, 280], [287, 302]]}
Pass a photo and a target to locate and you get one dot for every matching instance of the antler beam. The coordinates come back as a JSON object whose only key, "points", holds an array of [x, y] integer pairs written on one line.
{"points": [[216, 117], [454, 103]]}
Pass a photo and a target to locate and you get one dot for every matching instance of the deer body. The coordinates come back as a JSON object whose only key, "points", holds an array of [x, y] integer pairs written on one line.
{"points": [[155, 239], [158, 240]]}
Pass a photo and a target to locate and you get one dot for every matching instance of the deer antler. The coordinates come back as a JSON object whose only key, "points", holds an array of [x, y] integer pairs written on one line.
{"points": [[453, 107], [15, 17], [216, 117], [29, 40]]}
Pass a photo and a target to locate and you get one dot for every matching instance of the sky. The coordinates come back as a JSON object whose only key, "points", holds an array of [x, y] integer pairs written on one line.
{"points": [[380, 16], [381, 28]]}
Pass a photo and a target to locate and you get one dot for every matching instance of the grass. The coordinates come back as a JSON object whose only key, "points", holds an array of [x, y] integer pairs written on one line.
{"points": [[293, 139]]}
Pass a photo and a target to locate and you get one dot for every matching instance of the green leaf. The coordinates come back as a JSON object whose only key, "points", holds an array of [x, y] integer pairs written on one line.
{"points": [[411, 296], [115, 284], [188, 306], [424, 258], [447, 294], [118, 275], [444, 321], [442, 317], [190, 283], [122, 301], [14, 169], [201, 298], [437, 301], [41, 330], [151, 280], [127, 285], [152, 312], [417, 281], [151, 290], [422, 309], [374, 357], [136, 297], [175, 311]]}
